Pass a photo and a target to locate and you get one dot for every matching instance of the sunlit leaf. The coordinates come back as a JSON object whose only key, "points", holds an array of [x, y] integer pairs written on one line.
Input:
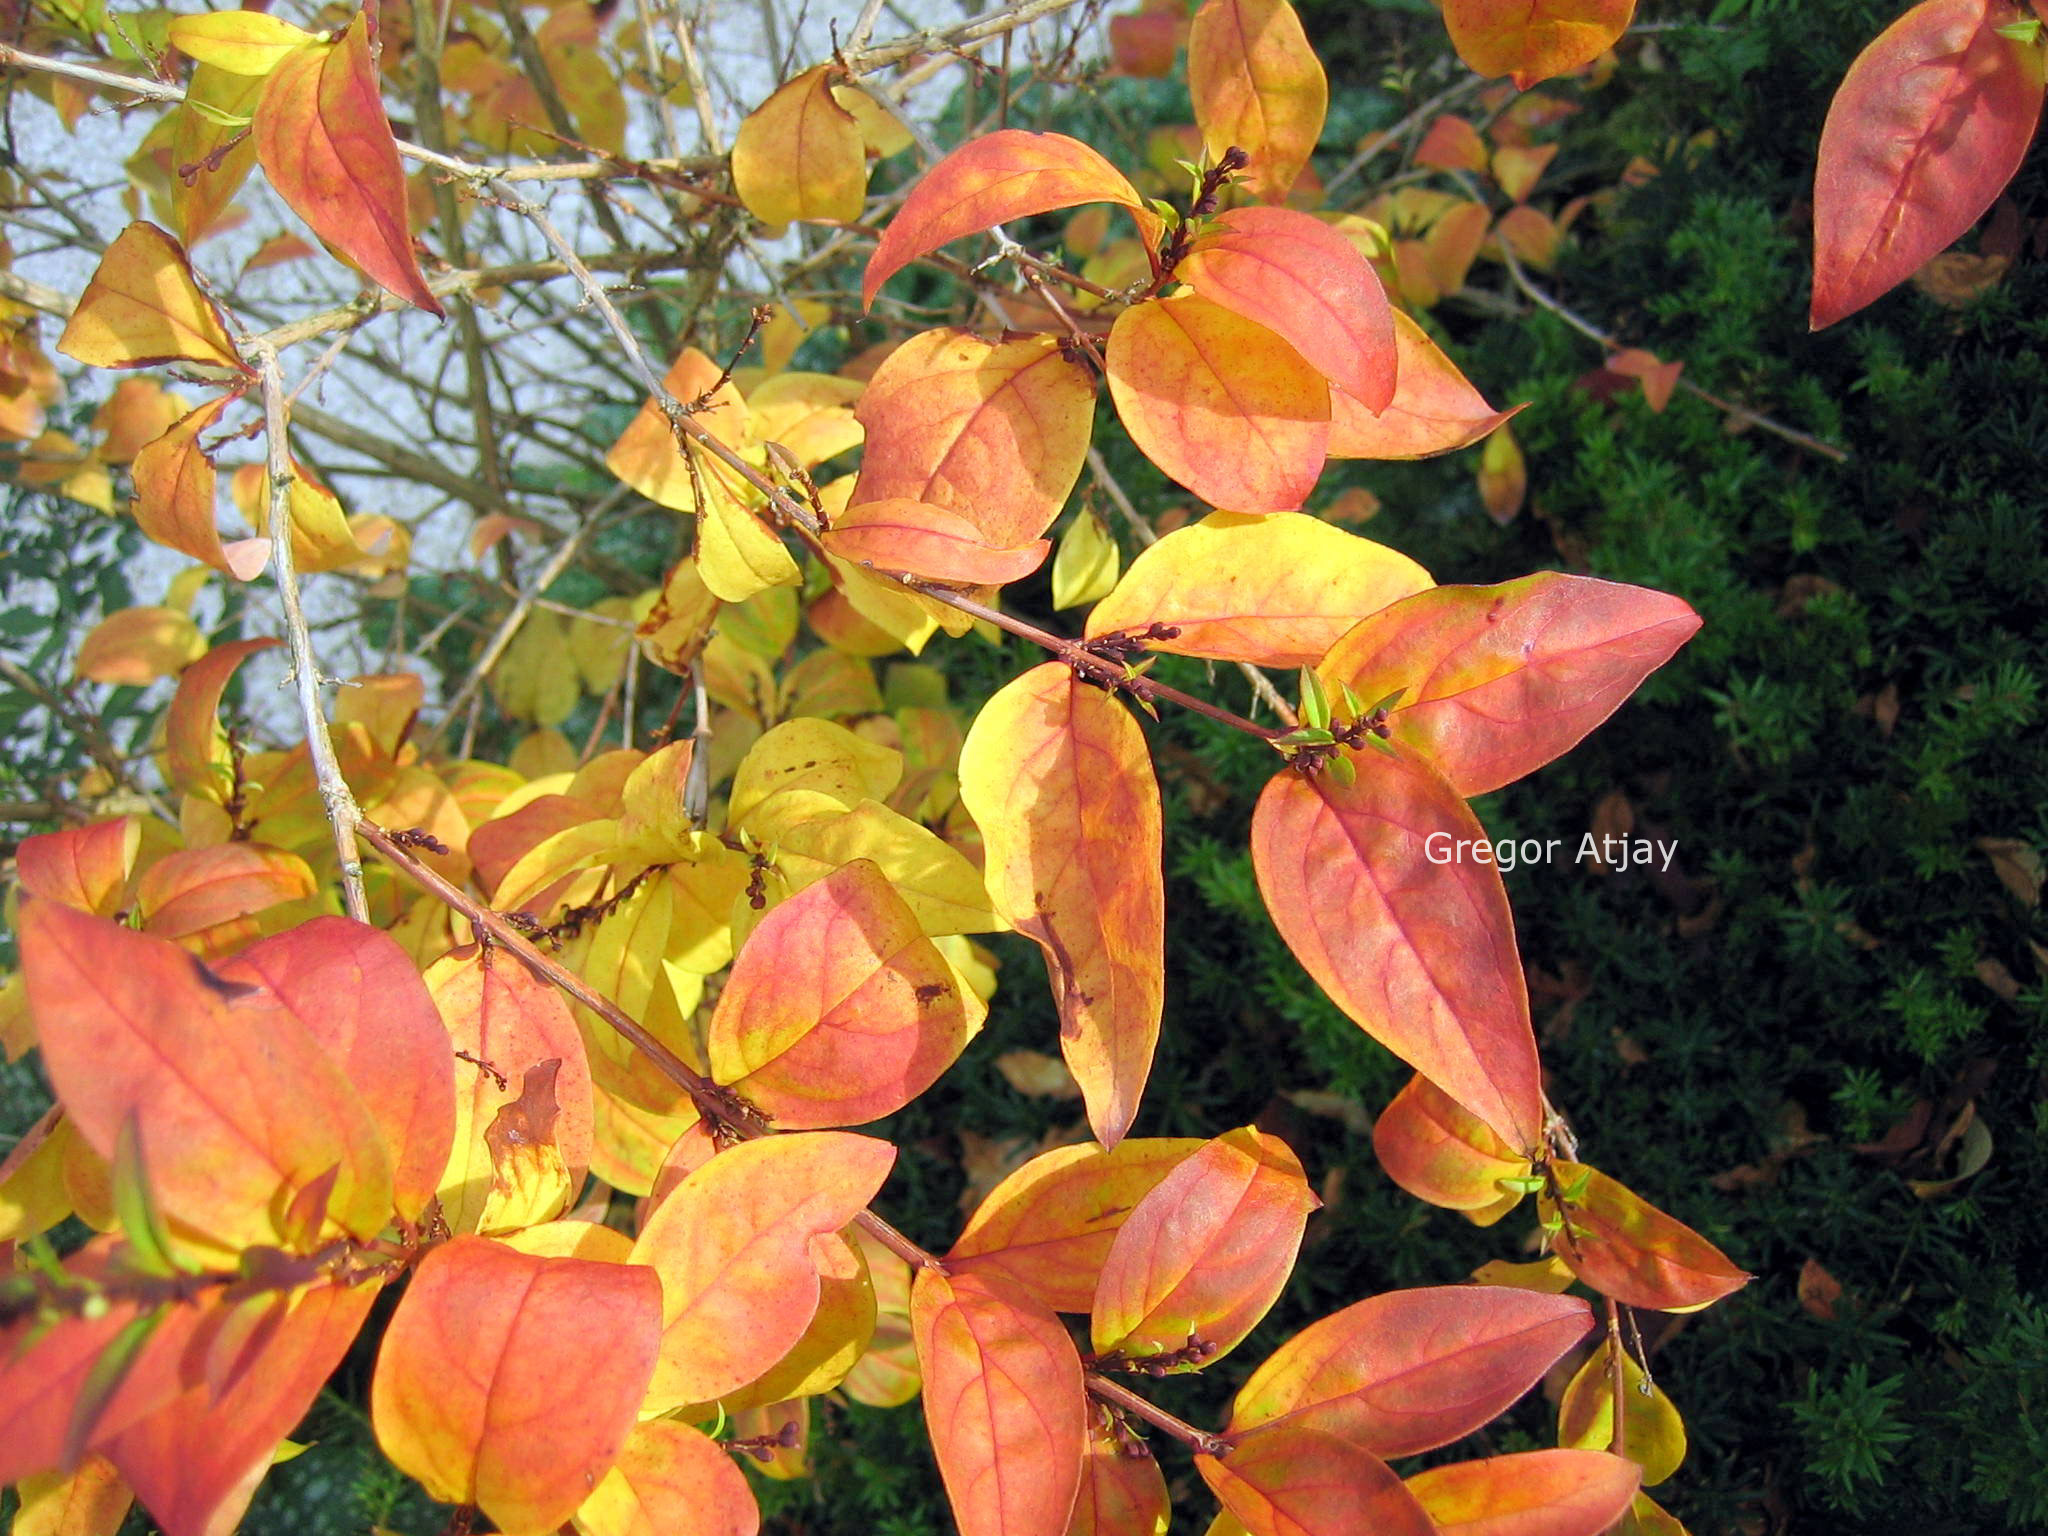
{"points": [[1435, 409], [1441, 1152], [1312, 1475], [670, 1480], [1534, 40], [1123, 1492], [1655, 1438], [1624, 1247], [1534, 1493], [799, 155], [1257, 85], [926, 540], [142, 308]]}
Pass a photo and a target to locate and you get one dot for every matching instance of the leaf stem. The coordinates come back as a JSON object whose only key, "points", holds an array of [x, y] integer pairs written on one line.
{"points": [[1117, 1395]]}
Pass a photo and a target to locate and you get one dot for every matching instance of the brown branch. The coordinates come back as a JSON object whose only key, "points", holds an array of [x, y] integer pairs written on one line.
{"points": [[1117, 1395]]}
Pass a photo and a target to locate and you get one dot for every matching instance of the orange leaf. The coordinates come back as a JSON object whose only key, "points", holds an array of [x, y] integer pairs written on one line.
{"points": [[996, 431], [470, 1391], [1494, 682], [505, 1021], [326, 145], [928, 541], [1257, 84], [1535, 1493], [1503, 476], [839, 1010], [195, 1462], [1930, 123], [91, 1501], [1123, 1492], [185, 893], [1188, 375], [1416, 1369], [1197, 1264], [1057, 776], [997, 177], [1307, 284], [799, 155], [1312, 1475], [1047, 1228], [142, 308], [1534, 40], [175, 486], [236, 1106], [1452, 144], [1624, 1247], [1440, 1152], [1276, 591], [1518, 167], [1418, 950], [359, 995], [671, 1480], [194, 760], [1004, 1402], [1434, 410], [732, 1243], [83, 867], [1658, 378], [646, 456], [137, 646]]}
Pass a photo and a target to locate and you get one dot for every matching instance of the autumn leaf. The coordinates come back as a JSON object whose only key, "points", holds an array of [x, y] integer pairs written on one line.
{"points": [[503, 1021], [1048, 1228], [1123, 1492], [1306, 283], [1203, 1256], [928, 541], [190, 891], [1624, 1247], [1418, 1368], [1441, 1152], [1655, 1434], [89, 1501], [1086, 566], [1435, 409], [816, 755], [1057, 776], [326, 145], [1929, 125], [996, 431], [176, 489], [1534, 40], [670, 1480], [999, 176], [240, 42], [143, 308], [1275, 591], [1531, 1493], [1188, 374], [137, 646], [732, 1242], [1004, 1403], [799, 156], [1312, 1473], [1418, 950], [237, 1107], [84, 867], [1257, 85], [839, 1010], [1494, 682], [510, 1439]]}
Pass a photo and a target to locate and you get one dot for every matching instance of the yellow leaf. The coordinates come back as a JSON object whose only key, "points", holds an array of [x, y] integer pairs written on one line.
{"points": [[139, 645], [799, 155], [240, 42], [814, 755], [1087, 563], [142, 308], [1655, 1439]]}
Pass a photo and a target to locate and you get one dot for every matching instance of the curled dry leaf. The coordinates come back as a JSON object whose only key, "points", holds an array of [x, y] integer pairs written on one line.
{"points": [[1257, 85], [1418, 1368], [1004, 1402], [1491, 683], [839, 1010], [1203, 1256], [1419, 951], [1531, 1493], [1534, 40], [1188, 374], [799, 156], [1048, 1228], [1927, 128], [1057, 777], [986, 181], [1435, 409], [1275, 591], [1624, 1247], [996, 431], [508, 1439], [326, 145], [1307, 284]]}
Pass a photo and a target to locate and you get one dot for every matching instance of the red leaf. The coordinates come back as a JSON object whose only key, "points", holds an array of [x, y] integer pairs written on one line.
{"points": [[1004, 1402], [1435, 409], [83, 867], [1418, 950], [1205, 1253], [1535, 1493], [1439, 1151], [986, 181], [1418, 1368], [1534, 40], [510, 1381], [326, 145], [1313, 1475], [1494, 682], [1929, 125], [1302, 280], [358, 994]]}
